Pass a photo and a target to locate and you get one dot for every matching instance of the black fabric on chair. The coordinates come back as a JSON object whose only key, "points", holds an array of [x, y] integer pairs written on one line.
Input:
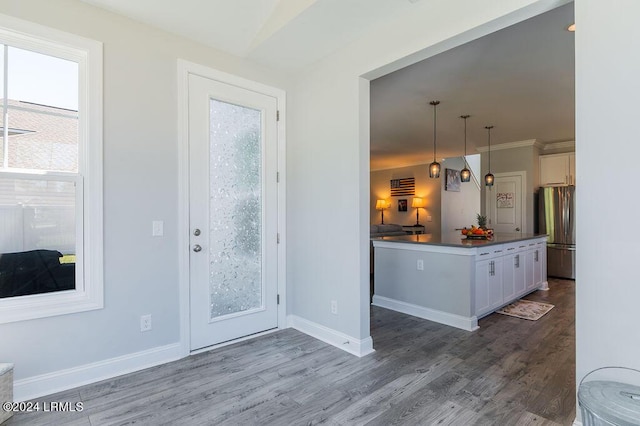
{"points": [[34, 272]]}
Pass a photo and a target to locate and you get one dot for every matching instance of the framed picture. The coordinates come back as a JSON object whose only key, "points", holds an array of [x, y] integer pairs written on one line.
{"points": [[505, 200], [402, 205], [452, 180]]}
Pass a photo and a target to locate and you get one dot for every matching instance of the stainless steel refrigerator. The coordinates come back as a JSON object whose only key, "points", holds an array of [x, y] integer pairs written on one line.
{"points": [[556, 218]]}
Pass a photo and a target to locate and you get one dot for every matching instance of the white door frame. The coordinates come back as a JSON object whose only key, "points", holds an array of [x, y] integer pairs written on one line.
{"points": [[523, 200], [184, 69]]}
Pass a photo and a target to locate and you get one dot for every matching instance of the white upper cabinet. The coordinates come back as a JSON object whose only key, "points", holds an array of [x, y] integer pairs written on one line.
{"points": [[558, 169]]}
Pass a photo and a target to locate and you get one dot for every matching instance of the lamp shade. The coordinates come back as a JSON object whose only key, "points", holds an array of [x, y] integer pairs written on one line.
{"points": [[381, 205], [465, 175], [418, 203], [434, 170], [488, 179]]}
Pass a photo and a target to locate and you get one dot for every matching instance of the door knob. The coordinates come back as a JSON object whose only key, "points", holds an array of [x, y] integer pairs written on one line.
{"points": [[196, 232], [517, 229], [197, 248]]}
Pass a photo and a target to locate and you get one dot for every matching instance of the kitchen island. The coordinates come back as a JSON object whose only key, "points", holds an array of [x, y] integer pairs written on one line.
{"points": [[453, 280]]}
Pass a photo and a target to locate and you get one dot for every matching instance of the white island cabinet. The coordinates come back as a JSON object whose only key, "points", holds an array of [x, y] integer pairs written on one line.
{"points": [[453, 280]]}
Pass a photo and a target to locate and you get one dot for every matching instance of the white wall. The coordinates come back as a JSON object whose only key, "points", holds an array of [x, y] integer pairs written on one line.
{"points": [[140, 185], [458, 209], [328, 151], [607, 90]]}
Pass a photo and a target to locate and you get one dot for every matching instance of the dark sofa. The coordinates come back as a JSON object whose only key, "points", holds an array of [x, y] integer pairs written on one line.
{"points": [[34, 272]]}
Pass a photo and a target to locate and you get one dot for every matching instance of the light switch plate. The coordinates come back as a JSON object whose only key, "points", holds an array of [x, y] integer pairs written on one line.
{"points": [[157, 228]]}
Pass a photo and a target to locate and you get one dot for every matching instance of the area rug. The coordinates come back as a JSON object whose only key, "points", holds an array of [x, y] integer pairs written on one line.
{"points": [[526, 309]]}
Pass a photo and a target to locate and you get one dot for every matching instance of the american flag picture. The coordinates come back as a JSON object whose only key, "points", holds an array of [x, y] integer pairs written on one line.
{"points": [[401, 187]]}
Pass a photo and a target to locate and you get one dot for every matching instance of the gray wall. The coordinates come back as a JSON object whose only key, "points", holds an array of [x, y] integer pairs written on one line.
{"points": [[607, 89], [445, 284], [140, 185]]}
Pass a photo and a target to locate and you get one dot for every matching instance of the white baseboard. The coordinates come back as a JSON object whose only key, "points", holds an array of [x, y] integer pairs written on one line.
{"points": [[57, 381], [358, 347], [458, 321], [544, 286]]}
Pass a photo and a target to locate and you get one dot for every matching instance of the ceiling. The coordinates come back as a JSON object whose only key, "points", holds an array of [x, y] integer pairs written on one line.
{"points": [[282, 34], [519, 79]]}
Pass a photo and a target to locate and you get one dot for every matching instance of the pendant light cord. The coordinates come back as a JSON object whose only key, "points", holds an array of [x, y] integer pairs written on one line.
{"points": [[435, 104], [434, 131], [465, 138], [464, 117], [489, 130]]}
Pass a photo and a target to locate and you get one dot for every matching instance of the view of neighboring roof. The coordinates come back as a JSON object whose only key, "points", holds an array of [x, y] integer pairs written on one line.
{"points": [[41, 137]]}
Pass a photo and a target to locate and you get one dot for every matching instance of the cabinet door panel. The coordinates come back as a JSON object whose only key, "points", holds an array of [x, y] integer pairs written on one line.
{"points": [[508, 277], [495, 284], [538, 264], [482, 287], [519, 272], [554, 170], [572, 169]]}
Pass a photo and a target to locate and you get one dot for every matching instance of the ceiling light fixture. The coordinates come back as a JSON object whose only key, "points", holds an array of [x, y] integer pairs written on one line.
{"points": [[434, 168], [465, 174], [488, 178]]}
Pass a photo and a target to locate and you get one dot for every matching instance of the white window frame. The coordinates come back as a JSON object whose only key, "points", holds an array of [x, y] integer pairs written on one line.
{"points": [[89, 293]]}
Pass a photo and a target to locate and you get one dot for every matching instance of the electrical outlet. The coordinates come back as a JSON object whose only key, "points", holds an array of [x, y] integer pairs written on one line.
{"points": [[145, 322], [420, 265], [428, 218], [334, 307]]}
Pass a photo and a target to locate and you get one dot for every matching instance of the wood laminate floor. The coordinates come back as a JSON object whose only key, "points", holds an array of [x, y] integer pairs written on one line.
{"points": [[509, 372]]}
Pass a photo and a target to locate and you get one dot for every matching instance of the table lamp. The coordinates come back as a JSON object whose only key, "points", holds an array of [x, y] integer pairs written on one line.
{"points": [[381, 205], [417, 204]]}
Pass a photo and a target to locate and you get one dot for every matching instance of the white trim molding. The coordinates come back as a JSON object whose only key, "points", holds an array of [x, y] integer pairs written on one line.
{"points": [[563, 145], [568, 145], [453, 320], [88, 54], [511, 145], [358, 347], [57, 381]]}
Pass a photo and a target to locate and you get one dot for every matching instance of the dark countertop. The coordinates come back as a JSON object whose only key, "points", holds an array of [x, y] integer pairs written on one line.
{"points": [[455, 239]]}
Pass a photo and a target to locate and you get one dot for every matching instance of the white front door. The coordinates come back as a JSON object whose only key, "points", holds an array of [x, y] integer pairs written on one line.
{"points": [[505, 202], [232, 212]]}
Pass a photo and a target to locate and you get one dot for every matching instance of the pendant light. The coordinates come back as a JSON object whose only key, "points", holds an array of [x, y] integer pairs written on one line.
{"points": [[465, 174], [488, 178], [434, 168]]}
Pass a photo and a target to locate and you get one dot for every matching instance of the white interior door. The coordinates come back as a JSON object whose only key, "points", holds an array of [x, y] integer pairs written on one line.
{"points": [[232, 212], [505, 202]]}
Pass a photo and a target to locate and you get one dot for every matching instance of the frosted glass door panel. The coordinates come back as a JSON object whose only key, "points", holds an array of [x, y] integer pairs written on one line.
{"points": [[235, 208], [233, 212]]}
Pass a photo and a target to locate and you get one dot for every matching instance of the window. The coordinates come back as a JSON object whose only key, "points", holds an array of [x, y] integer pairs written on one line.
{"points": [[50, 172]]}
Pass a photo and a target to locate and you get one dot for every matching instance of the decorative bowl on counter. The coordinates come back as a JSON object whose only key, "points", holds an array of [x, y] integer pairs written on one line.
{"points": [[475, 233], [478, 237]]}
